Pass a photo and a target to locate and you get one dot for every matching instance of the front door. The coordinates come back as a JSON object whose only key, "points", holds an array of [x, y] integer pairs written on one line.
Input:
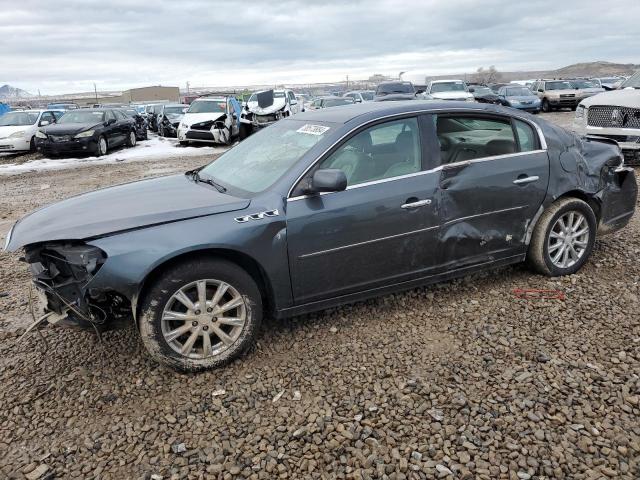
{"points": [[381, 230], [494, 179]]}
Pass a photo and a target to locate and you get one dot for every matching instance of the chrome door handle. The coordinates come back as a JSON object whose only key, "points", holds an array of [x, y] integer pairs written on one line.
{"points": [[522, 181], [418, 204]]}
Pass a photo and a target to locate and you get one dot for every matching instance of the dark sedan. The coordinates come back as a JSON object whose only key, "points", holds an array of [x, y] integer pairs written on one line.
{"points": [[140, 123], [483, 94], [91, 131], [168, 119], [320, 209], [522, 98]]}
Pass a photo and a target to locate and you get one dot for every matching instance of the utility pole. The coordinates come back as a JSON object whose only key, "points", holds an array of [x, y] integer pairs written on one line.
{"points": [[347, 82], [187, 88], [95, 91]]}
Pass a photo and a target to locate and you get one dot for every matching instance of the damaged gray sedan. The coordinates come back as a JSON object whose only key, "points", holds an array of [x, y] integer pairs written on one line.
{"points": [[321, 209]]}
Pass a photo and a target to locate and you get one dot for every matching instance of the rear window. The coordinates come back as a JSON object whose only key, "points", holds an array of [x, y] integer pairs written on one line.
{"points": [[391, 88]]}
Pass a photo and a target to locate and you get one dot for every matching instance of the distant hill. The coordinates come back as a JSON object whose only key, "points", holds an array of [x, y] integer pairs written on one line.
{"points": [[7, 91], [596, 69]]}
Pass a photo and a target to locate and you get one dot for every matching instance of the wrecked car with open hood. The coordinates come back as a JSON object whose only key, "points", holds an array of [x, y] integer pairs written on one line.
{"points": [[321, 209], [210, 120], [266, 107]]}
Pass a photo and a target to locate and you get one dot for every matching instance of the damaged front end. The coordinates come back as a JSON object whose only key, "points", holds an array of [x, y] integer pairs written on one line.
{"points": [[211, 130], [62, 274]]}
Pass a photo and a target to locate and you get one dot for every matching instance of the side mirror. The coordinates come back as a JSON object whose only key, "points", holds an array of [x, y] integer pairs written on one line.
{"points": [[328, 180], [111, 121], [471, 90], [540, 90], [44, 123]]}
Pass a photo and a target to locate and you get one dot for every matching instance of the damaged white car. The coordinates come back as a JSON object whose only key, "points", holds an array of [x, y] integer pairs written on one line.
{"points": [[264, 108], [211, 120]]}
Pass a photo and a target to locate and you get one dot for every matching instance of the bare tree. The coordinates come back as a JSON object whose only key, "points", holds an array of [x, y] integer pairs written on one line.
{"points": [[487, 76]]}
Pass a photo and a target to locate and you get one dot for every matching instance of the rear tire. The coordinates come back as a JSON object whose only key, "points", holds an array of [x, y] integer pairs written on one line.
{"points": [[550, 240], [181, 322], [131, 139]]}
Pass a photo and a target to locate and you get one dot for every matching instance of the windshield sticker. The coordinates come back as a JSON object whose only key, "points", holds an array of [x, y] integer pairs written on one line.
{"points": [[313, 129]]}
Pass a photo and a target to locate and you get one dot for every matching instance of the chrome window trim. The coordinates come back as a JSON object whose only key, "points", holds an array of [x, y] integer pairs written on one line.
{"points": [[543, 144], [422, 172], [366, 242]]}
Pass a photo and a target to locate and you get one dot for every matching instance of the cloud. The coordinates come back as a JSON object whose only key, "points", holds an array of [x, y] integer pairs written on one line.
{"points": [[120, 44]]}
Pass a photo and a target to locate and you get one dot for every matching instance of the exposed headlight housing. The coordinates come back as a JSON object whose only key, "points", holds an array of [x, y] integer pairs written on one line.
{"points": [[580, 111], [17, 134], [41, 134], [88, 133], [470, 99], [184, 125]]}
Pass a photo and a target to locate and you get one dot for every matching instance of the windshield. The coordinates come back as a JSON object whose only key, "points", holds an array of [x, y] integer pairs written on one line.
{"points": [[78, 116], [139, 108], [367, 96], [447, 87], [482, 90], [257, 162], [14, 119], [609, 80], [179, 110], [400, 87], [633, 81], [518, 92], [254, 96], [334, 102], [584, 84], [130, 112], [207, 106], [559, 86]]}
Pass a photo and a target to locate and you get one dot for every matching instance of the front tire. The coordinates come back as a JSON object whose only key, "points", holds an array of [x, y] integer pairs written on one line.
{"points": [[245, 131], [102, 147], [546, 106], [563, 238], [200, 315], [32, 145]]}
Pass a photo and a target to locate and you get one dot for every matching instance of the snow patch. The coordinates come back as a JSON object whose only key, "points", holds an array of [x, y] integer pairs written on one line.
{"points": [[155, 147]]}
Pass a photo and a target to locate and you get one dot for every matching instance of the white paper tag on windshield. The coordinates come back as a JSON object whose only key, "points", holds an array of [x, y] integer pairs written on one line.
{"points": [[313, 129]]}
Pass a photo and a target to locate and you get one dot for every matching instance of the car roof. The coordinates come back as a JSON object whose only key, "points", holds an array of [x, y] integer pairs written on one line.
{"points": [[210, 99], [448, 80], [372, 110]]}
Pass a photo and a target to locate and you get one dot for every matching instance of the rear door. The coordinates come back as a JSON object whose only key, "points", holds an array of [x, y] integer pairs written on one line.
{"points": [[495, 172], [381, 230]]}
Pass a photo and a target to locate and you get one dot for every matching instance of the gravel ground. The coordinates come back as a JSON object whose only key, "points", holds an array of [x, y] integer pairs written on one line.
{"points": [[457, 380]]}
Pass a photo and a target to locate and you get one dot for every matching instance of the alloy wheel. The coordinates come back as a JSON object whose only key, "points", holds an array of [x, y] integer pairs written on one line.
{"points": [[132, 139], [203, 318], [102, 145], [568, 239]]}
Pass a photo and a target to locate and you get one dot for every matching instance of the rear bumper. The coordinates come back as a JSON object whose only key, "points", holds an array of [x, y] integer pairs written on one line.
{"points": [[618, 200]]}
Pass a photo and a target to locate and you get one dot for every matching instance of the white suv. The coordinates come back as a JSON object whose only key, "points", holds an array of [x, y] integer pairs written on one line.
{"points": [[449, 90], [614, 115]]}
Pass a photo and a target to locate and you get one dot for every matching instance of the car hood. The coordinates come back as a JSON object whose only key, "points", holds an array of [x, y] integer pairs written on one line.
{"points": [[69, 128], [123, 207], [394, 96], [278, 104], [524, 98], [619, 98], [450, 95], [8, 130], [193, 118]]}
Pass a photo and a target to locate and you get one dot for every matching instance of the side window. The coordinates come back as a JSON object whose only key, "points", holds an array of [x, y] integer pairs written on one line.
{"points": [[383, 151], [119, 115], [468, 138], [292, 96], [57, 115], [47, 117], [526, 136], [109, 115]]}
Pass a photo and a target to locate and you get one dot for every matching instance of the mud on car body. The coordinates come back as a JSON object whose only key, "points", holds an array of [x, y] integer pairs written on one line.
{"points": [[321, 209]]}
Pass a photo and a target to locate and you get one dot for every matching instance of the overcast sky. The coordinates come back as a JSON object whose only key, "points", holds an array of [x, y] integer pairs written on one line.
{"points": [[65, 46]]}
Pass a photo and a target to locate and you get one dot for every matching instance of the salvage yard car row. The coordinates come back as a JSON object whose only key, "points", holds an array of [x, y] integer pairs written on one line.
{"points": [[320, 209]]}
